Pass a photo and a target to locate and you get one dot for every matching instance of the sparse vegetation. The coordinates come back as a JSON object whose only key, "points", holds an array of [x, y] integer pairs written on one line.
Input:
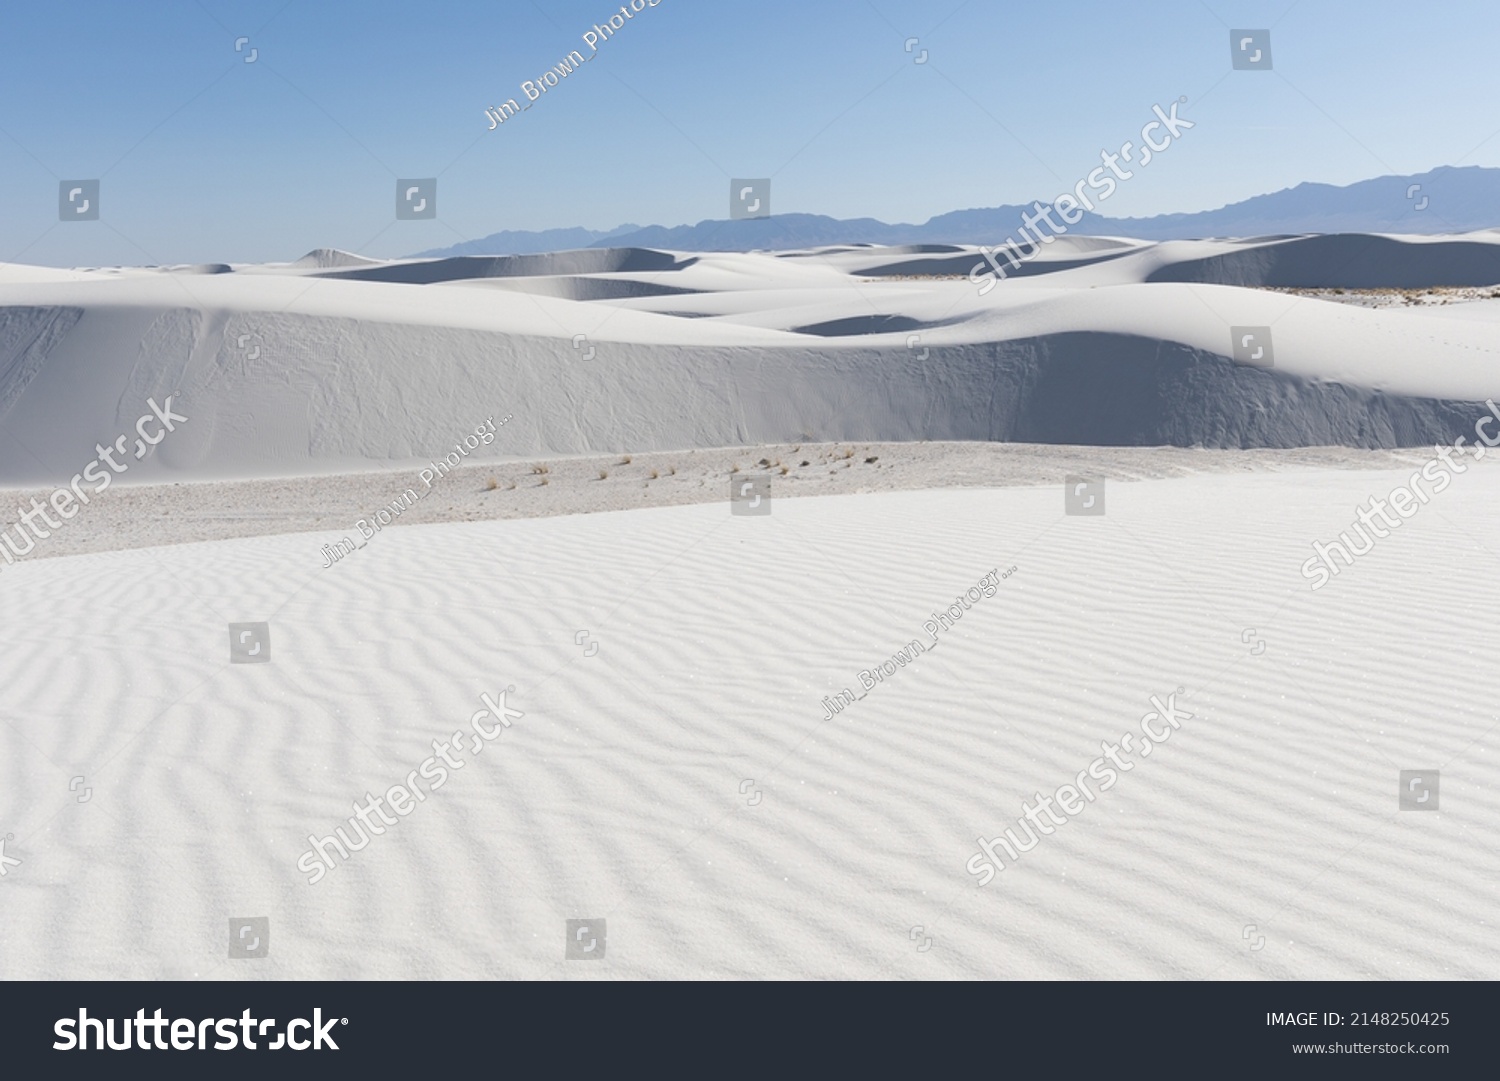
{"points": [[625, 460], [540, 469], [1387, 297], [491, 484]]}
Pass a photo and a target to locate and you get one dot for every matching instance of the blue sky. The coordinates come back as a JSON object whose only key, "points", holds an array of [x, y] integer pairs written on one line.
{"points": [[203, 157]]}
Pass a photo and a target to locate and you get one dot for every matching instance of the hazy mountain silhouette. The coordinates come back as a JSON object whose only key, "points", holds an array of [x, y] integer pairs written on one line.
{"points": [[521, 242], [1443, 200]]}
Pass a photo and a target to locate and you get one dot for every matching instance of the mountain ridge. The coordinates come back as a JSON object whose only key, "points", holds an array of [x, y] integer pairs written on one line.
{"points": [[1446, 199]]}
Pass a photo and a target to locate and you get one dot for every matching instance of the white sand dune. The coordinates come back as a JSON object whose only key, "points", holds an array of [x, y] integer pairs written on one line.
{"points": [[670, 774], [335, 362], [681, 784]]}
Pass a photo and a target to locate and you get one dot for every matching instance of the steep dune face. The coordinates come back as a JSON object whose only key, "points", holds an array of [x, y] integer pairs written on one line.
{"points": [[346, 393], [27, 336], [1347, 261], [321, 365], [458, 268], [1112, 390]]}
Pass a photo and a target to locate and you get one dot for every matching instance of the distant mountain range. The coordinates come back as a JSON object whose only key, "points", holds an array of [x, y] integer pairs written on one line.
{"points": [[519, 242], [1444, 200]]}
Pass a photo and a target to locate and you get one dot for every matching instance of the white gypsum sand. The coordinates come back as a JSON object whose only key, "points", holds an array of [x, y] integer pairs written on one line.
{"points": [[331, 505], [336, 364], [621, 791], [669, 770]]}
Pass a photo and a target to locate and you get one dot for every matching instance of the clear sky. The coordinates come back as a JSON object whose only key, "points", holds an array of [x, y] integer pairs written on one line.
{"points": [[203, 157]]}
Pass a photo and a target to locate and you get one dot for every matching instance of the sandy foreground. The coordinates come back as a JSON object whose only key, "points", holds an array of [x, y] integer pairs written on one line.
{"points": [[151, 515], [668, 776]]}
